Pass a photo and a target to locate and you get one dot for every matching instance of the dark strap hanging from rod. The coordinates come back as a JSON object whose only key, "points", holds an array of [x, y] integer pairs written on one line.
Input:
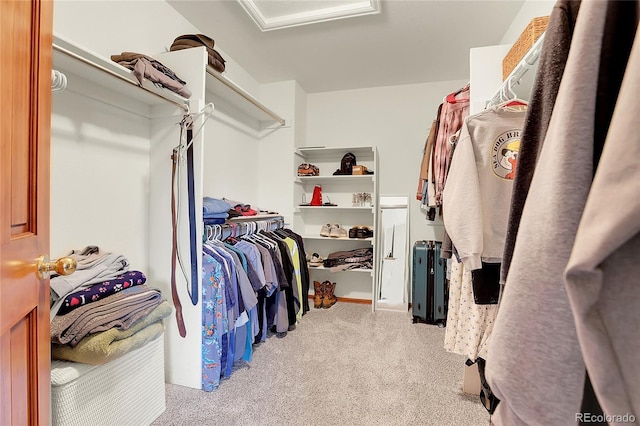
{"points": [[193, 232], [174, 251]]}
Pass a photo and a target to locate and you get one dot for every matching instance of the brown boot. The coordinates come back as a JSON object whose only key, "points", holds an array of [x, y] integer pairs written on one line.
{"points": [[330, 299], [318, 297]]}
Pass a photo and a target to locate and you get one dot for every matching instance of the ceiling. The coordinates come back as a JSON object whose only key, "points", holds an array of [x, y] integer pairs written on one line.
{"points": [[408, 41], [277, 14]]}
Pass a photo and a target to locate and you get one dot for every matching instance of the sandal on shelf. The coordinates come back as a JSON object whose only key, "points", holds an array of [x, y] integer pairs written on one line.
{"points": [[328, 203]]}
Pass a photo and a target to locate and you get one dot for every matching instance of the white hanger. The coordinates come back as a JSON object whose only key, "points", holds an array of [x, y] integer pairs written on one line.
{"points": [[207, 111], [509, 99]]}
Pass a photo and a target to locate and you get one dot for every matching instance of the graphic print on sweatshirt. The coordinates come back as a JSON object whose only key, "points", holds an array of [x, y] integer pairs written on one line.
{"points": [[504, 154]]}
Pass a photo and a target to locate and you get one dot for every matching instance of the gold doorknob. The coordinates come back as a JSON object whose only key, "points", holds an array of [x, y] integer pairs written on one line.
{"points": [[63, 266]]}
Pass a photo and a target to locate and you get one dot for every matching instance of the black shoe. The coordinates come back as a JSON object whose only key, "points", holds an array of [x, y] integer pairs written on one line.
{"points": [[364, 232]]}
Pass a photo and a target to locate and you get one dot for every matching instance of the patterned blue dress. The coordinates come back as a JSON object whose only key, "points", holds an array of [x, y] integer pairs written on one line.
{"points": [[214, 321]]}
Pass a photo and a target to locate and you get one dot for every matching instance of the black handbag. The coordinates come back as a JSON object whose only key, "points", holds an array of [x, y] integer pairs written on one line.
{"points": [[346, 165]]}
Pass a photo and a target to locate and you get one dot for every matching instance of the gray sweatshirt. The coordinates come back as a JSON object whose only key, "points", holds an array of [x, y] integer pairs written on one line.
{"points": [[477, 195]]}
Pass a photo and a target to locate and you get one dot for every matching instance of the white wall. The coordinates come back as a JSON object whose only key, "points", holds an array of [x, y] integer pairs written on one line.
{"points": [[230, 162], [276, 148], [99, 177], [111, 27], [485, 74], [397, 120]]}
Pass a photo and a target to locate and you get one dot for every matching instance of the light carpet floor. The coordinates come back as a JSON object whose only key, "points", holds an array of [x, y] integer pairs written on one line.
{"points": [[340, 366]]}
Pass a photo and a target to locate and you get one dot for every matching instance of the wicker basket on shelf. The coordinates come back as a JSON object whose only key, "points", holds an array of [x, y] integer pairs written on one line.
{"points": [[536, 27]]}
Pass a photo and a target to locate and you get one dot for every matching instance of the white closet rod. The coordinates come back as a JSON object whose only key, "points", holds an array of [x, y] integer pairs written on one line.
{"points": [[101, 68], [526, 63], [247, 97]]}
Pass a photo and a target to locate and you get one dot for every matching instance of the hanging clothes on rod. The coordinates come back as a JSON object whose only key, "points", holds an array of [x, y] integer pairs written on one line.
{"points": [[252, 285], [476, 202], [233, 228], [437, 150]]}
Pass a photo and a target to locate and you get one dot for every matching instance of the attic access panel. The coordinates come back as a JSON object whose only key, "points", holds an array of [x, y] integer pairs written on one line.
{"points": [[272, 15]]}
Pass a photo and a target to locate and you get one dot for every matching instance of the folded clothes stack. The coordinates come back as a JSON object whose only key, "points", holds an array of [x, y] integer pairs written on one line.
{"points": [[145, 67], [103, 310], [119, 310], [214, 210], [244, 210]]}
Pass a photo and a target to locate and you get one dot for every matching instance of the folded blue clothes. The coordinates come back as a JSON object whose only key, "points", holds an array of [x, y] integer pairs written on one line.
{"points": [[213, 221], [216, 215], [214, 205]]}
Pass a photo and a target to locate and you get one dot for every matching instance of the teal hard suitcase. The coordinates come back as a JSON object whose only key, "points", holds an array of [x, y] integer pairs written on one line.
{"points": [[429, 283]]}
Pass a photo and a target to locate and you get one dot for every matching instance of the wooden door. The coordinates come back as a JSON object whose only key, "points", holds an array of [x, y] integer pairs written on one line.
{"points": [[25, 117]]}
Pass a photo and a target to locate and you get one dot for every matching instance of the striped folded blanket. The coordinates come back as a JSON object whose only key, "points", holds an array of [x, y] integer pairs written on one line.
{"points": [[120, 310]]}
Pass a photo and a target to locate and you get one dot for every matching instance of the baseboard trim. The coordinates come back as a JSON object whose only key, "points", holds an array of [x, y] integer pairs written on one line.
{"points": [[350, 300]]}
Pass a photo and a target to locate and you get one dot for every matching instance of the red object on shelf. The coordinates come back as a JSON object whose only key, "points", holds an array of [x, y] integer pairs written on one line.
{"points": [[316, 199]]}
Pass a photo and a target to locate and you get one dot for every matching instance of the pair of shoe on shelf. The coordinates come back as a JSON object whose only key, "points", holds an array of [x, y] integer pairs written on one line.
{"points": [[361, 232], [333, 231], [314, 260], [324, 296]]}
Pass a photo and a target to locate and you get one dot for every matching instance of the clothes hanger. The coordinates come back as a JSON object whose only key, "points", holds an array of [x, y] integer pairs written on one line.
{"points": [[231, 238], [510, 97], [451, 97], [207, 111], [263, 240]]}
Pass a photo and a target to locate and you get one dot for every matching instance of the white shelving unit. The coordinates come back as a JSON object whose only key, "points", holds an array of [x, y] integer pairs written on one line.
{"points": [[227, 90], [94, 76], [356, 284], [109, 79], [240, 104]]}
